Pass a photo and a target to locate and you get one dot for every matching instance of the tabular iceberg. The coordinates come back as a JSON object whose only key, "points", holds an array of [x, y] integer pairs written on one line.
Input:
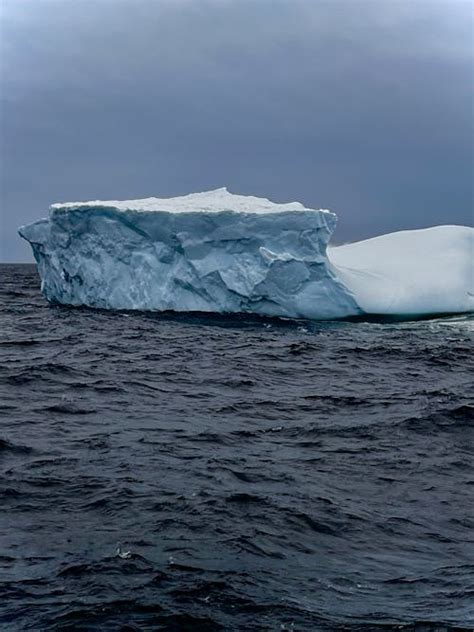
{"points": [[220, 252]]}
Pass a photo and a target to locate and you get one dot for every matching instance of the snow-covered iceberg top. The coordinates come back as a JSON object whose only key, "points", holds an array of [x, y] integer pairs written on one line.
{"points": [[220, 252], [217, 201]]}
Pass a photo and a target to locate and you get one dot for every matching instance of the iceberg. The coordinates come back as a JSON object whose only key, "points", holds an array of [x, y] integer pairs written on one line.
{"points": [[220, 252], [410, 272]]}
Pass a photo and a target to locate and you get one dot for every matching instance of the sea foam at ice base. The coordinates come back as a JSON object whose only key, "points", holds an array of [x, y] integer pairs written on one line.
{"points": [[220, 252]]}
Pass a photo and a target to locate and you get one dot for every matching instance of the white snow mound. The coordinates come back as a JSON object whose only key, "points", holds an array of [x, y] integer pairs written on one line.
{"points": [[411, 272], [220, 252]]}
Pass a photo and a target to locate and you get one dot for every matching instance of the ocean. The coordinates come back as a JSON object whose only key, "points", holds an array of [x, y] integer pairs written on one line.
{"points": [[198, 472]]}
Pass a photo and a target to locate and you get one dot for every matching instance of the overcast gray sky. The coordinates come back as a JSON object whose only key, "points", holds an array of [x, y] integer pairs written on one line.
{"points": [[363, 107]]}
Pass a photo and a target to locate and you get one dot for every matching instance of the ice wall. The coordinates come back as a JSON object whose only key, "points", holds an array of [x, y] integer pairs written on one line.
{"points": [[210, 252]]}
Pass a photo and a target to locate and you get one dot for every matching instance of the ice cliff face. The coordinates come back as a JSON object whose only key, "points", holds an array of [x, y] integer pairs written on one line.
{"points": [[219, 252], [210, 252]]}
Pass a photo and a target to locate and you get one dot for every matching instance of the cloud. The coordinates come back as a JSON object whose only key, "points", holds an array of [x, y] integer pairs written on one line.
{"points": [[362, 108]]}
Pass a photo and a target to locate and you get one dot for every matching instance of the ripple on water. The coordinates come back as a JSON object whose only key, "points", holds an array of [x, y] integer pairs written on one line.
{"points": [[203, 472]]}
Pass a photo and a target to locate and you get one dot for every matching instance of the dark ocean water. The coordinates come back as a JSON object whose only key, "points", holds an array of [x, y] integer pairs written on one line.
{"points": [[264, 475]]}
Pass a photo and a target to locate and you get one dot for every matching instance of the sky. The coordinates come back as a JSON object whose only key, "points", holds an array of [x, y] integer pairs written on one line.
{"points": [[364, 107]]}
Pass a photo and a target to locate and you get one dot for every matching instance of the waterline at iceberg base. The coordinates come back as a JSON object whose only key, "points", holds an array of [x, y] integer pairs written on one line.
{"points": [[226, 253]]}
